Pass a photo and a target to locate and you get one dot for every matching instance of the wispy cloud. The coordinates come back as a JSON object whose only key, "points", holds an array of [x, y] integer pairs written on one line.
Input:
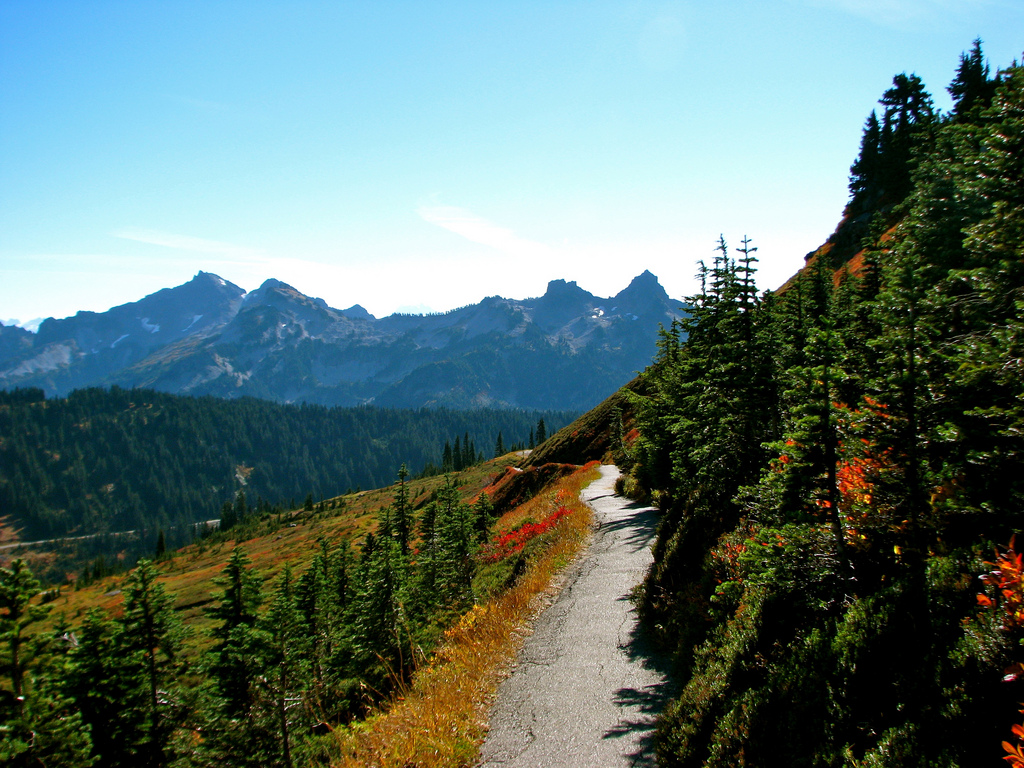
{"points": [[479, 230], [184, 242]]}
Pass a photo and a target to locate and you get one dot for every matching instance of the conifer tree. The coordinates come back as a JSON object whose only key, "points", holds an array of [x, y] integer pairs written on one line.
{"points": [[458, 460], [280, 687], [108, 686], [379, 629], [454, 566], [402, 514], [17, 588], [971, 89], [236, 611], [483, 517], [150, 635], [41, 727]]}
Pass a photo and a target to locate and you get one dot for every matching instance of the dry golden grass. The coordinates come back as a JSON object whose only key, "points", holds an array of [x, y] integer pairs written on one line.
{"points": [[440, 720]]}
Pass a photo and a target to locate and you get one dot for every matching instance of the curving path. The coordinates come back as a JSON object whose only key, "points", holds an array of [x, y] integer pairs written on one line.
{"points": [[585, 688]]}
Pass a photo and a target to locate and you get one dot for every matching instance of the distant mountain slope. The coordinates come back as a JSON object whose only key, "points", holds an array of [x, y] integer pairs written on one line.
{"points": [[210, 337], [105, 460]]}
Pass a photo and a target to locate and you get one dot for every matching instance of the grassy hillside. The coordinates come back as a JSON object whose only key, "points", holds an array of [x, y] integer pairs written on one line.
{"points": [[271, 543], [425, 650]]}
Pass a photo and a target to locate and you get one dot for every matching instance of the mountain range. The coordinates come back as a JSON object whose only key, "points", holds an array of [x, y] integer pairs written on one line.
{"points": [[210, 337]]}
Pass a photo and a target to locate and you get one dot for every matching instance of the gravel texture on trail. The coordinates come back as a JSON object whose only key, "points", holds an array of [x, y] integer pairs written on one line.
{"points": [[586, 687]]}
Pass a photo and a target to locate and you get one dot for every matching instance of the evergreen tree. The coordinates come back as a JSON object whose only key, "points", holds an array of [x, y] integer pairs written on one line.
{"points": [[41, 726], [236, 613], [227, 516], [150, 635], [971, 89], [402, 514], [379, 624], [241, 507], [108, 686], [17, 588], [865, 171], [453, 561], [483, 517], [280, 687], [458, 459]]}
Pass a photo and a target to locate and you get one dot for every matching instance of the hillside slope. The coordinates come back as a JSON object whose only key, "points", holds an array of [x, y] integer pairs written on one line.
{"points": [[114, 460], [838, 472]]}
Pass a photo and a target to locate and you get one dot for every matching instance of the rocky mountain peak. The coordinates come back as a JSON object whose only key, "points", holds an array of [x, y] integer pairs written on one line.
{"points": [[565, 349], [560, 289], [645, 282], [357, 312]]}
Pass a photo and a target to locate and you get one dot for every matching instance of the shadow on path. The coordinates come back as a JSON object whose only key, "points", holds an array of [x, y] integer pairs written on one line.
{"points": [[636, 527]]}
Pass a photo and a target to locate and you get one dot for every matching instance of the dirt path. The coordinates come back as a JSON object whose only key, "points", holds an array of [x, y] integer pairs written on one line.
{"points": [[585, 689]]}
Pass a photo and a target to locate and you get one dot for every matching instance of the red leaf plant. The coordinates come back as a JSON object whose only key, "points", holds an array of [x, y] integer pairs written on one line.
{"points": [[506, 544], [1007, 578]]}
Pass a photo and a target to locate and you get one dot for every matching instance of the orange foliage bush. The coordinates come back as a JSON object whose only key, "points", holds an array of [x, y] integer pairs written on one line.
{"points": [[1006, 579]]}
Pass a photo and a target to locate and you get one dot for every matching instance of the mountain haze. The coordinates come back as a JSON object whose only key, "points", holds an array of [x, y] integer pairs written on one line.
{"points": [[209, 336]]}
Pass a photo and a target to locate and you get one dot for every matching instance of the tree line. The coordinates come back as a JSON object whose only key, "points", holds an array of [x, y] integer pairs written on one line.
{"points": [[837, 463]]}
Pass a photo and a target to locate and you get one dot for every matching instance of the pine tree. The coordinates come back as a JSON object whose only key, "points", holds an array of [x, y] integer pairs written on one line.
{"points": [[402, 514], [278, 705], [865, 172], [241, 507], [458, 460], [971, 89], [483, 517], [17, 588], [108, 686], [41, 727], [454, 565], [380, 635], [150, 631], [236, 614]]}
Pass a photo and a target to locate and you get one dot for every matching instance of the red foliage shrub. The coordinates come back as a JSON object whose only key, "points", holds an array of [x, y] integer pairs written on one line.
{"points": [[503, 545]]}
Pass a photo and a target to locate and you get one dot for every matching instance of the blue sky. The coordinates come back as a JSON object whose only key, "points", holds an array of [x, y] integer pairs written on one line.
{"points": [[423, 155]]}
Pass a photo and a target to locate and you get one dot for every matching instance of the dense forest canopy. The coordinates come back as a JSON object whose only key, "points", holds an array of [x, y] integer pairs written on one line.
{"points": [[836, 464], [114, 460]]}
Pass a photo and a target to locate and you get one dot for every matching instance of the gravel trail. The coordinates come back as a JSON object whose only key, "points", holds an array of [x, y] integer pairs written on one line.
{"points": [[586, 688]]}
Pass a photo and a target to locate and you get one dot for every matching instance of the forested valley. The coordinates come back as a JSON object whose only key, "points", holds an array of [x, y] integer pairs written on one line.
{"points": [[839, 465], [108, 460]]}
